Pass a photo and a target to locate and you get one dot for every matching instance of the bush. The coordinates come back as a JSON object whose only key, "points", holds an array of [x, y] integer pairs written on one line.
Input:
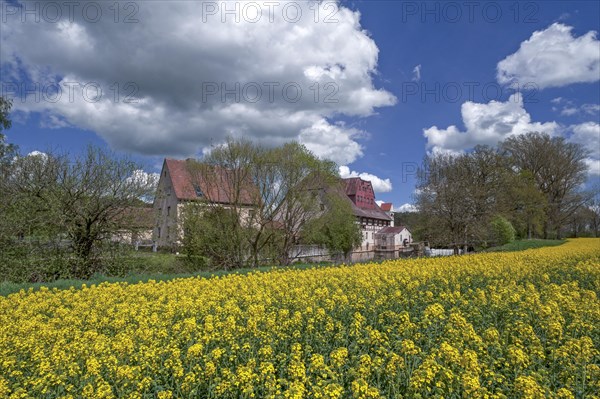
{"points": [[37, 261], [502, 231], [214, 233]]}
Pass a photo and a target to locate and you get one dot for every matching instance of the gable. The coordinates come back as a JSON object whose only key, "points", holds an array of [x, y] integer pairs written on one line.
{"points": [[189, 186]]}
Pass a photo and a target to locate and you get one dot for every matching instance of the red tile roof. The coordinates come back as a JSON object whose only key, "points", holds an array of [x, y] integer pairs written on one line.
{"points": [[134, 217], [185, 184], [386, 206]]}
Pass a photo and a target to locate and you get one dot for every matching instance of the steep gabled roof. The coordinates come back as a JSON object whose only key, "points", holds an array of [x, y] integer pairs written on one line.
{"points": [[193, 186], [347, 186]]}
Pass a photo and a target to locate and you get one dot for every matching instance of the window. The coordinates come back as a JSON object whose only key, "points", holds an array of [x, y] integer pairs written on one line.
{"points": [[198, 191]]}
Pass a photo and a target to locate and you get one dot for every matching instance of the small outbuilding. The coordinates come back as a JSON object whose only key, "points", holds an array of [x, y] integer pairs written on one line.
{"points": [[392, 241]]}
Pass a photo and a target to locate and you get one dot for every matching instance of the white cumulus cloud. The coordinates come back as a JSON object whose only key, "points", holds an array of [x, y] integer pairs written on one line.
{"points": [[553, 57], [379, 185], [486, 123], [593, 166], [182, 79], [588, 135], [407, 208]]}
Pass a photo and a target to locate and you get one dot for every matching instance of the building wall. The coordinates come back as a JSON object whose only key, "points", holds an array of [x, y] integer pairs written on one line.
{"points": [[399, 239], [166, 207], [364, 197], [362, 255], [170, 213], [370, 227]]}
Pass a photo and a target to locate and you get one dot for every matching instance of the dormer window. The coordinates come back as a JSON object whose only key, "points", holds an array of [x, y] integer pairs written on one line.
{"points": [[198, 191]]}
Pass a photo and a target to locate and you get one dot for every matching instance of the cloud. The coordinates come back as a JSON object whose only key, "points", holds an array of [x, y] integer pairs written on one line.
{"points": [[334, 142], [569, 108], [407, 208], [486, 124], [39, 155], [52, 121], [591, 109], [379, 185], [553, 58], [568, 111], [147, 181], [182, 79], [593, 166], [588, 135], [144, 179], [417, 73]]}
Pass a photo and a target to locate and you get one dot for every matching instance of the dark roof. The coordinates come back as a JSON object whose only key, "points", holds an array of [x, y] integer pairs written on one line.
{"points": [[392, 230], [376, 213], [192, 186], [386, 206]]}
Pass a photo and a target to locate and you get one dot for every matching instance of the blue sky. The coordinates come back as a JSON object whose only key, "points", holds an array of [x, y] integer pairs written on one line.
{"points": [[411, 77]]}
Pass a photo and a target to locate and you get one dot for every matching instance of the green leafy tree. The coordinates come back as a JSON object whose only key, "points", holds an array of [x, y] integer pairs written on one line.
{"points": [[336, 228], [558, 168], [206, 242], [524, 204]]}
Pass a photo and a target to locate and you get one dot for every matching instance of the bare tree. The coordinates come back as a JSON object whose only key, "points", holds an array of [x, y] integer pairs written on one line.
{"points": [[459, 195], [80, 198], [269, 190]]}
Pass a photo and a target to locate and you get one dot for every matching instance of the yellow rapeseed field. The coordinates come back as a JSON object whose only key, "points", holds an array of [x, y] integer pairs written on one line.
{"points": [[499, 325]]}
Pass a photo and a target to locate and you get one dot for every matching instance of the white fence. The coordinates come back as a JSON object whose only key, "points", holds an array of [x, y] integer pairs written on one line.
{"points": [[443, 252], [312, 253]]}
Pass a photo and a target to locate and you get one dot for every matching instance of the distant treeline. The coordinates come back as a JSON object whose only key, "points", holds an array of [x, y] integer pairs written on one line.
{"points": [[529, 186]]}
